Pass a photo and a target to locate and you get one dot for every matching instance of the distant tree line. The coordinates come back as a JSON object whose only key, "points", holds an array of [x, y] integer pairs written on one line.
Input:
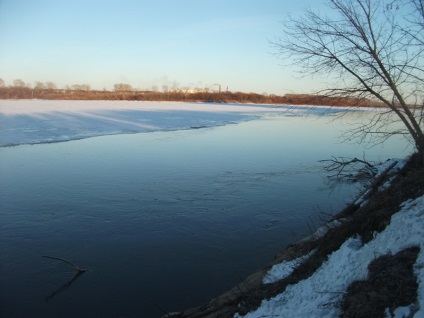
{"points": [[48, 90]]}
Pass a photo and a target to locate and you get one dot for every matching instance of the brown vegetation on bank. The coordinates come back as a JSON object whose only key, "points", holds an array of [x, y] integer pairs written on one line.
{"points": [[181, 96]]}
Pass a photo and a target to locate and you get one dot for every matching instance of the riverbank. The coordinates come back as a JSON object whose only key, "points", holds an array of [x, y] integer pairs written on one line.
{"points": [[372, 234], [183, 96]]}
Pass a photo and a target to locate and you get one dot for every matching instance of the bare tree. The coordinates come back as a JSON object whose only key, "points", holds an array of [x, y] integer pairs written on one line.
{"points": [[2, 84], [370, 48], [19, 83], [50, 85], [81, 87], [39, 85], [86, 87], [120, 87]]}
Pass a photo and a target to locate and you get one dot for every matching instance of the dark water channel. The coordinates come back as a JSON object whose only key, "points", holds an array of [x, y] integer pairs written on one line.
{"points": [[163, 221]]}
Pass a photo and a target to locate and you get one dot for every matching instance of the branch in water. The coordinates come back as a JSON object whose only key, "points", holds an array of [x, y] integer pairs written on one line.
{"points": [[78, 269], [65, 286], [350, 169]]}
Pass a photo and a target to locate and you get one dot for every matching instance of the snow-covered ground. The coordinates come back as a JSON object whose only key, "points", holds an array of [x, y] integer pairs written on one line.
{"points": [[316, 296], [43, 121]]}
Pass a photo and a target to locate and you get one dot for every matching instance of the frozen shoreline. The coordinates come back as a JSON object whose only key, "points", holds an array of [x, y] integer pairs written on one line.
{"points": [[48, 121]]}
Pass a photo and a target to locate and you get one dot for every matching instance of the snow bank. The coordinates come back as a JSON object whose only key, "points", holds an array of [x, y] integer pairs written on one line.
{"points": [[41, 121], [319, 295], [399, 164], [284, 269], [321, 231]]}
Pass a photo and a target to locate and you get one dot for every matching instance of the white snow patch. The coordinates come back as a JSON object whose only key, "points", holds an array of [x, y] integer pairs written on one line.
{"points": [[320, 294], [320, 232], [400, 163], [386, 184], [401, 312], [284, 269], [362, 200]]}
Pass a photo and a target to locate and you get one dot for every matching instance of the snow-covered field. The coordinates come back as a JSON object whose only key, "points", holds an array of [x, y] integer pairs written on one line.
{"points": [[316, 296], [43, 121]]}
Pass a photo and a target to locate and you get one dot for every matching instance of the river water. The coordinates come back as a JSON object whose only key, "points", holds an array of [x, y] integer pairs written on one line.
{"points": [[163, 220]]}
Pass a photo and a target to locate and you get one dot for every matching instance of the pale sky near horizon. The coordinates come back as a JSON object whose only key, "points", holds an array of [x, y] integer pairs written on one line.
{"points": [[187, 43]]}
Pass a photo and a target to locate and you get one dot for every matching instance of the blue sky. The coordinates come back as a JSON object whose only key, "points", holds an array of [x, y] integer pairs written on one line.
{"points": [[184, 43]]}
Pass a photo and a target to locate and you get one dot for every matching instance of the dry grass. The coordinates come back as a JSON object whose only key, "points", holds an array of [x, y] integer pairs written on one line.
{"points": [[391, 284]]}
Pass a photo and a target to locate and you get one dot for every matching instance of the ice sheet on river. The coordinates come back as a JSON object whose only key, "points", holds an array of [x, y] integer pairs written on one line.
{"points": [[44, 121]]}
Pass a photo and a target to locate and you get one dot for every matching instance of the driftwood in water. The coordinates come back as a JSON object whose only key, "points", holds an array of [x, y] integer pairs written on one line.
{"points": [[64, 286], [79, 272], [78, 269]]}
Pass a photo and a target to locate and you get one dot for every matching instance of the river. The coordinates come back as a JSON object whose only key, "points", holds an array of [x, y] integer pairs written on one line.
{"points": [[162, 220]]}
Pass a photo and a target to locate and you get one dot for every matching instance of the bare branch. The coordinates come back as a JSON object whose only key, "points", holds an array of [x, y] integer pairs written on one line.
{"points": [[372, 49], [350, 169]]}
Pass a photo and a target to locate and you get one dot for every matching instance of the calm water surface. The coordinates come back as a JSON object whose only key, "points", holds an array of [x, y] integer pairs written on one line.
{"points": [[164, 221]]}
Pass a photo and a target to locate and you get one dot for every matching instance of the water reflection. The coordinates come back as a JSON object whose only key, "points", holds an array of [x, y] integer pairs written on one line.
{"points": [[64, 286]]}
